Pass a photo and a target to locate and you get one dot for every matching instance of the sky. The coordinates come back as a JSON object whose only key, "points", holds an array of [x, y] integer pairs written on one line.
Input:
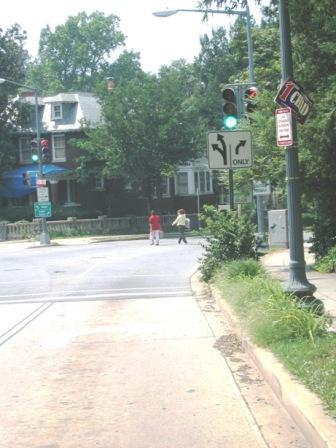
{"points": [[159, 40]]}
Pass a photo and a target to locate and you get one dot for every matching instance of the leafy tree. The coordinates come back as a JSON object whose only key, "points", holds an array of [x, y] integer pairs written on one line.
{"points": [[71, 57], [147, 129], [13, 60]]}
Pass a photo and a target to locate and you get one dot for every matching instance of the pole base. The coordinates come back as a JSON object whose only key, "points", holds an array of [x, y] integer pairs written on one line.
{"points": [[44, 238]]}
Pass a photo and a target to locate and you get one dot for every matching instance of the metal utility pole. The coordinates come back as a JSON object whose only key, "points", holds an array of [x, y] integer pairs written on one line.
{"points": [[298, 283]]}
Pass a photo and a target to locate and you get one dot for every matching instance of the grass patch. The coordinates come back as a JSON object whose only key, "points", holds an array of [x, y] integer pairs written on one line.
{"points": [[327, 263], [296, 335]]}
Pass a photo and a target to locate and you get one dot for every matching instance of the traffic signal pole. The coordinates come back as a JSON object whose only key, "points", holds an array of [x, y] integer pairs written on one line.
{"points": [[44, 235], [297, 283]]}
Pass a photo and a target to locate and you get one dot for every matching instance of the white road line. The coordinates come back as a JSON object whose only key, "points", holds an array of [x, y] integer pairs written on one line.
{"points": [[97, 297], [107, 291]]}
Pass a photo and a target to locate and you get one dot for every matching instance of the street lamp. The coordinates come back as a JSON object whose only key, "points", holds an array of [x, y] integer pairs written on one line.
{"points": [[298, 283], [44, 236]]}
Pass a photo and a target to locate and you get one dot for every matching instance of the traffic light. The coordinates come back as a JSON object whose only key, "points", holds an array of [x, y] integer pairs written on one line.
{"points": [[230, 107], [45, 150], [250, 99], [34, 151]]}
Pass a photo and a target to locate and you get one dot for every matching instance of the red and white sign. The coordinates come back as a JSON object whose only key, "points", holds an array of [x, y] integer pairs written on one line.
{"points": [[41, 182], [284, 126]]}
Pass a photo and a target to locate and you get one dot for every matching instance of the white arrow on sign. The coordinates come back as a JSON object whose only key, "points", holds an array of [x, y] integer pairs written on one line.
{"points": [[229, 149]]}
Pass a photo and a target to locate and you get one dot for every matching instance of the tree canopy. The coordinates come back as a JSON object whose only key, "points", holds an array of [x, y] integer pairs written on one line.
{"points": [[13, 62], [74, 56]]}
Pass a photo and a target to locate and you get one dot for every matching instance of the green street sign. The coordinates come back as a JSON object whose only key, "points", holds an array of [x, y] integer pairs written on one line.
{"points": [[42, 209]]}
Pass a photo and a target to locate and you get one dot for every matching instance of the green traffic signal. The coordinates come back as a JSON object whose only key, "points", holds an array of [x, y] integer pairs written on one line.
{"points": [[230, 121], [230, 107], [34, 151]]}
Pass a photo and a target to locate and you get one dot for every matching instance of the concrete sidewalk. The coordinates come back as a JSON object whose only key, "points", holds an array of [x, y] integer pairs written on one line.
{"points": [[276, 263]]}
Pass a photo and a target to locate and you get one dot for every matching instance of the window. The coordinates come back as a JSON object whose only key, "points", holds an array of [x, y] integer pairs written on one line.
{"points": [[182, 183], [59, 148], [196, 182], [99, 183], [202, 181], [164, 186], [56, 111], [25, 149], [208, 181]]}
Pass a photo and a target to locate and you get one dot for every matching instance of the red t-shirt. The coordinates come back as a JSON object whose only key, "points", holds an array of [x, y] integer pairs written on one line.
{"points": [[154, 221]]}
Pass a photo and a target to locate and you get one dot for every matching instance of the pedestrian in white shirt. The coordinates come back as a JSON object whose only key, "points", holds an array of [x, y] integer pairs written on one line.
{"points": [[182, 223]]}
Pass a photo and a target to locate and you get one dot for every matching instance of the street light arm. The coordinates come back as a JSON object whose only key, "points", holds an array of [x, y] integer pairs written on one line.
{"points": [[3, 80], [170, 12]]}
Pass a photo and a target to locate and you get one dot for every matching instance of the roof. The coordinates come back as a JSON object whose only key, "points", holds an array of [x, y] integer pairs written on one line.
{"points": [[86, 108]]}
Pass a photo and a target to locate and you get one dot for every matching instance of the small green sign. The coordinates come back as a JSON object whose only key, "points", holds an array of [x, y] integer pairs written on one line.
{"points": [[42, 209]]}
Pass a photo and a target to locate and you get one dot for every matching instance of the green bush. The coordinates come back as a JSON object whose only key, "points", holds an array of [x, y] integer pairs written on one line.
{"points": [[249, 268], [327, 263], [18, 213], [228, 237]]}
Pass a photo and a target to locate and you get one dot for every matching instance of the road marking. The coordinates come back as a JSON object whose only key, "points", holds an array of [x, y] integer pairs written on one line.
{"points": [[19, 326], [177, 288], [96, 297]]}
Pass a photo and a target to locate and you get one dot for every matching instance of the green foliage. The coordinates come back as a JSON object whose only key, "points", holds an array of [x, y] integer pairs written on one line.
{"points": [[76, 54], [268, 313], [147, 130], [327, 263], [243, 268], [295, 334], [13, 60], [14, 214], [228, 236]]}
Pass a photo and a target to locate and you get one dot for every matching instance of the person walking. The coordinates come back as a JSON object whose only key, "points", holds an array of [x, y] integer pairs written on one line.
{"points": [[154, 228], [181, 222]]}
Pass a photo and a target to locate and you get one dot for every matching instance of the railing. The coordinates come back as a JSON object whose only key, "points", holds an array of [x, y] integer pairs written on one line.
{"points": [[100, 226]]}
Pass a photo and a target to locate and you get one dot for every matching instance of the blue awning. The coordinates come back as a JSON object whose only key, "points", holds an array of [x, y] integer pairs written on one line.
{"points": [[21, 181]]}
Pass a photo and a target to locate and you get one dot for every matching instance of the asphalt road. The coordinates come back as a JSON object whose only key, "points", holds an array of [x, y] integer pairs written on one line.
{"points": [[104, 345], [106, 270]]}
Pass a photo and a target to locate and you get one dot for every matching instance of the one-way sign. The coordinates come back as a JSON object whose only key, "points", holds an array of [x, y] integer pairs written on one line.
{"points": [[291, 95], [229, 149]]}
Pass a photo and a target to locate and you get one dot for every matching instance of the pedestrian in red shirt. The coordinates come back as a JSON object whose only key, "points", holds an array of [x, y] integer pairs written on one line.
{"points": [[154, 228]]}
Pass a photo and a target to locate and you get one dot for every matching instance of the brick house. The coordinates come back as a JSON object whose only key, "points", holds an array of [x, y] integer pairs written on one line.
{"points": [[61, 120]]}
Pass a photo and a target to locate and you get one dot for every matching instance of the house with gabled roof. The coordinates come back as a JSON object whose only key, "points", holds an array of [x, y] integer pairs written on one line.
{"points": [[62, 118]]}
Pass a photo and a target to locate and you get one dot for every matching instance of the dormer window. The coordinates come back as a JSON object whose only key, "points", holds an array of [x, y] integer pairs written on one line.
{"points": [[56, 111]]}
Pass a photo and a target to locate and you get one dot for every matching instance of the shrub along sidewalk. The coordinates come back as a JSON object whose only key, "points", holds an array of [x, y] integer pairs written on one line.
{"points": [[296, 335]]}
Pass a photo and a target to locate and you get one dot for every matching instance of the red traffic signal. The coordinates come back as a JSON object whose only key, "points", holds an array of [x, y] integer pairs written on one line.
{"points": [[250, 97], [251, 92], [45, 143]]}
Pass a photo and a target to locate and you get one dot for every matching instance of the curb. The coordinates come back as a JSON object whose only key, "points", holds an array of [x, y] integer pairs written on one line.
{"points": [[303, 406]]}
